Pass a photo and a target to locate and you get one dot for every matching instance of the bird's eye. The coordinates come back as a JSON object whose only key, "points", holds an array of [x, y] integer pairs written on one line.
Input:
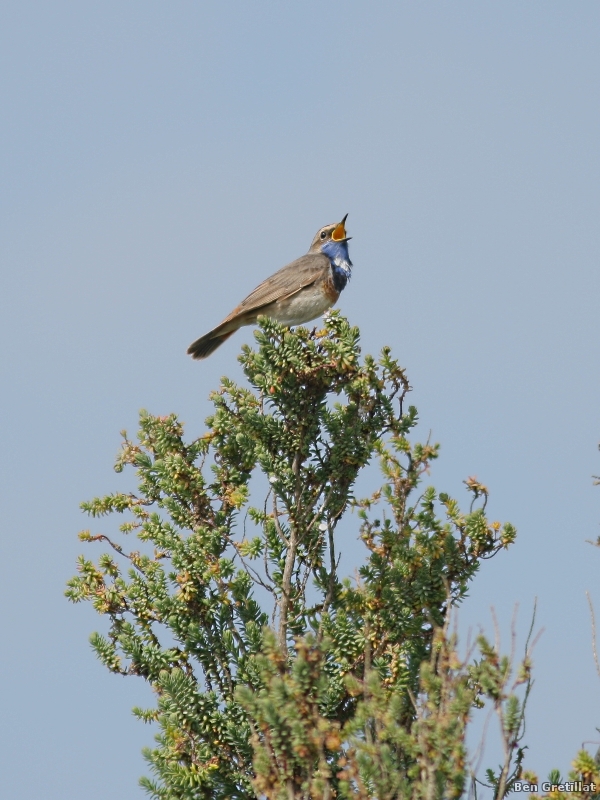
{"points": [[323, 234]]}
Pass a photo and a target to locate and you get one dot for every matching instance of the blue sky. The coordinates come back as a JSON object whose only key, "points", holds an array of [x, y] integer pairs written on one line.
{"points": [[159, 160]]}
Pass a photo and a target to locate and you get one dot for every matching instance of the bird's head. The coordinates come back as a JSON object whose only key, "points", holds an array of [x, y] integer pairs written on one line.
{"points": [[331, 238]]}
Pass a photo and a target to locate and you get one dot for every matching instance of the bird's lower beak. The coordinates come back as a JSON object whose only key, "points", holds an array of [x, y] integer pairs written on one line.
{"points": [[339, 232]]}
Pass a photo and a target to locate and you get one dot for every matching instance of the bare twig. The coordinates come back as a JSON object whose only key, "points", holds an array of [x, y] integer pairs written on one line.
{"points": [[594, 647], [290, 560], [118, 549], [276, 521]]}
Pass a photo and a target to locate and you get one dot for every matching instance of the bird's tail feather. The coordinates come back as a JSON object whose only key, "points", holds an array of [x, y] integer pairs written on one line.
{"points": [[207, 344]]}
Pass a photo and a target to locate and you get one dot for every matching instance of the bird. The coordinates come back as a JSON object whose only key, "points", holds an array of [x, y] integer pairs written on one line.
{"points": [[297, 293]]}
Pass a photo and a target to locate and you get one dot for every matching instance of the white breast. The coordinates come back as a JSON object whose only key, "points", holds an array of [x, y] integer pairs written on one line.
{"points": [[307, 304]]}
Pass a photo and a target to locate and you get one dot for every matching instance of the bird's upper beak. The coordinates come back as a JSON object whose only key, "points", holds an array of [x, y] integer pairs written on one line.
{"points": [[339, 232]]}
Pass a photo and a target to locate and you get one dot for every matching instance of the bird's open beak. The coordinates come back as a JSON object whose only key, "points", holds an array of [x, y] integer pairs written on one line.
{"points": [[339, 232]]}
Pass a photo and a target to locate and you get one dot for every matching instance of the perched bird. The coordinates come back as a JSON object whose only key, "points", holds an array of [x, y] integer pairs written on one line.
{"points": [[297, 293]]}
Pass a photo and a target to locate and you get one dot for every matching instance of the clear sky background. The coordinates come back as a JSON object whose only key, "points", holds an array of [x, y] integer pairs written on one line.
{"points": [[158, 160]]}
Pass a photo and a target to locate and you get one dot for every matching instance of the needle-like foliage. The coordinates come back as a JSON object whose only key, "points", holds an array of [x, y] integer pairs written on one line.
{"points": [[275, 676]]}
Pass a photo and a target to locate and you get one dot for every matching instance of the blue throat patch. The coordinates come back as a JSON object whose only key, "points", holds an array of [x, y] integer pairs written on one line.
{"points": [[341, 266]]}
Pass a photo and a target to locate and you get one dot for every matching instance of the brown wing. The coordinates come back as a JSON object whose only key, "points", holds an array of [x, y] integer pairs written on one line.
{"points": [[287, 281]]}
